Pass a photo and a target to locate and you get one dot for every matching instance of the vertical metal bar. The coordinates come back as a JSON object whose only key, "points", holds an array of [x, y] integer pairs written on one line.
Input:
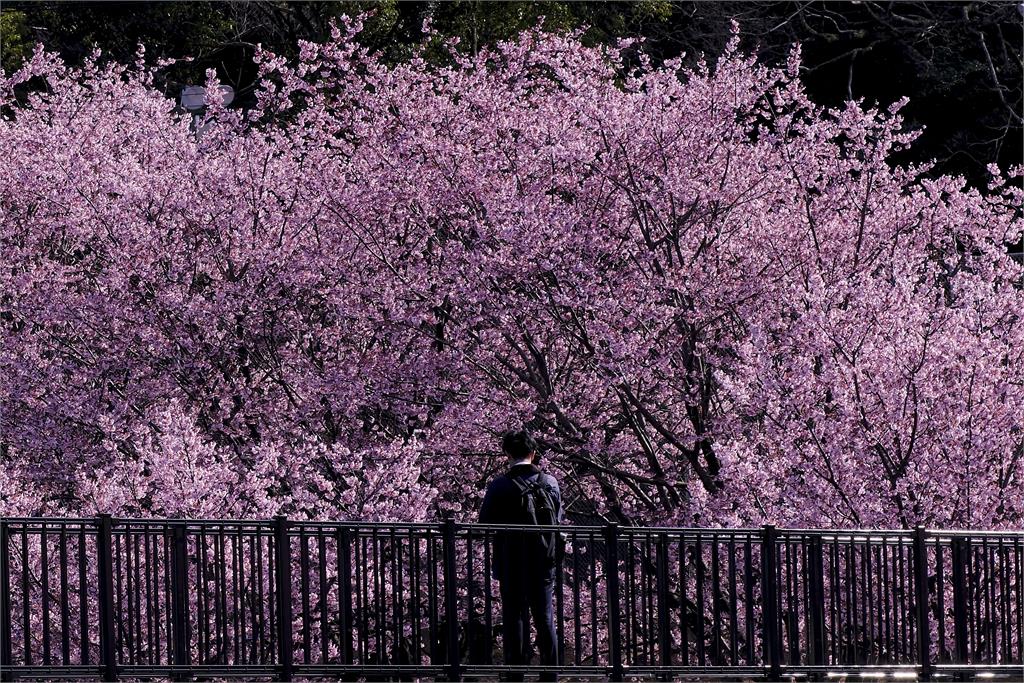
{"points": [[664, 636], [960, 549], [611, 569], [378, 595], [733, 604], [716, 601], [973, 616], [451, 599], [397, 598], [887, 595], [83, 599], [647, 601], [153, 586], [593, 598], [630, 597], [851, 598], [899, 609], [884, 599], [906, 607], [769, 587], [238, 544], [865, 626], [921, 598], [6, 649], [488, 620], [790, 613], [321, 562], [415, 584], [204, 599], [304, 588], [258, 553], [646, 597], [801, 581], [179, 600], [748, 598], [119, 593], [940, 595], [815, 575], [248, 607], [363, 601], [137, 582], [104, 557], [993, 617], [559, 604], [254, 587], [272, 597], [168, 607], [124, 586], [1004, 602], [683, 619], [1019, 563], [470, 599], [577, 634], [988, 593], [44, 572], [397, 643], [698, 553], [868, 602], [223, 617], [26, 611], [835, 604], [345, 593], [154, 537], [236, 602], [283, 585], [65, 614]]}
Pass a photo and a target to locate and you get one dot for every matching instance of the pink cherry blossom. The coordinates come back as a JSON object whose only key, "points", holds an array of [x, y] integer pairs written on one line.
{"points": [[714, 301]]}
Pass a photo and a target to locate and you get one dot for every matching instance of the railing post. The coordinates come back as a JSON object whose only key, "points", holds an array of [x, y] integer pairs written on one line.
{"points": [[611, 572], [924, 649], [960, 555], [664, 628], [105, 576], [769, 613], [816, 576], [283, 588], [6, 658], [179, 602], [451, 603]]}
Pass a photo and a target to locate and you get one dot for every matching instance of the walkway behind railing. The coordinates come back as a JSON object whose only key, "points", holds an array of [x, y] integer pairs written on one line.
{"points": [[109, 598]]}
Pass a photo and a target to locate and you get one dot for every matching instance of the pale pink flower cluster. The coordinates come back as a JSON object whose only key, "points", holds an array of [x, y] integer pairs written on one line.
{"points": [[714, 301]]}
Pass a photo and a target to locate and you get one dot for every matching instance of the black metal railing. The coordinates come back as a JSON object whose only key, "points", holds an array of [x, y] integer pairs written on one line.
{"points": [[109, 598]]}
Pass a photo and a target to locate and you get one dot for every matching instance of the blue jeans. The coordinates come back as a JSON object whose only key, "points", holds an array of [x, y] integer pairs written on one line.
{"points": [[520, 598]]}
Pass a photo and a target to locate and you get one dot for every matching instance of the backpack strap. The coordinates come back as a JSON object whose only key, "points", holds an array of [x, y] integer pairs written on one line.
{"points": [[522, 484]]}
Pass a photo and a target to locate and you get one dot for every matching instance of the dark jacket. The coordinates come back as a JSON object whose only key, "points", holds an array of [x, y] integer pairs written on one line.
{"points": [[503, 505]]}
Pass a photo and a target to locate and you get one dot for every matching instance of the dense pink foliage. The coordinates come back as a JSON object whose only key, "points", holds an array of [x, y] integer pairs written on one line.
{"points": [[714, 301]]}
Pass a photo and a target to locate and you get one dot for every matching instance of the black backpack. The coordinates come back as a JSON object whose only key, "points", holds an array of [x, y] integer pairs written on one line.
{"points": [[539, 507]]}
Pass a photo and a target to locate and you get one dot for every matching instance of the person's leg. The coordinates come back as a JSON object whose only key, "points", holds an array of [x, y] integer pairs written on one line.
{"points": [[540, 596], [515, 627]]}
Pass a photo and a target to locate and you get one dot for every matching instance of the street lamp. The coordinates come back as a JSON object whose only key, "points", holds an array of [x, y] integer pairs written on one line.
{"points": [[193, 99]]}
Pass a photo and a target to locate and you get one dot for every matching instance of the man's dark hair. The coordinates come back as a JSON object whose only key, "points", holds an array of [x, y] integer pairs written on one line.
{"points": [[518, 444]]}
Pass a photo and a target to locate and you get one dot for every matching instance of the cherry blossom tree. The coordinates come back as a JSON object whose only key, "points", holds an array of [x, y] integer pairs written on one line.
{"points": [[713, 301]]}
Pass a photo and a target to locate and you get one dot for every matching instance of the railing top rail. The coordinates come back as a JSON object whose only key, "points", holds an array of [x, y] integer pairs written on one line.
{"points": [[85, 521], [782, 532], [975, 533]]}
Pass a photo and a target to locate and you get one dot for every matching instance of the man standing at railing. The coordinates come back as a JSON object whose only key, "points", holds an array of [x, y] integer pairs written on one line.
{"points": [[524, 563]]}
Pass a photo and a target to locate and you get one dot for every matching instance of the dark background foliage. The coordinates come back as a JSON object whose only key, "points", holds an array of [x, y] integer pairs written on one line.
{"points": [[959, 62]]}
